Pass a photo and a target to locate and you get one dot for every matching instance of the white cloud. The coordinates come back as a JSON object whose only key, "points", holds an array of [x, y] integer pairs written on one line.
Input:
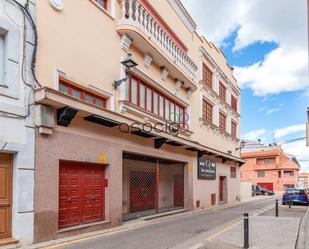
{"points": [[281, 21], [301, 152], [270, 111], [254, 135], [282, 132]]}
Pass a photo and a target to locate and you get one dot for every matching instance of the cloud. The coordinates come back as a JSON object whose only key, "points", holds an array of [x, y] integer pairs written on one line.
{"points": [[301, 152], [283, 70], [270, 111], [282, 132], [284, 22], [254, 135]]}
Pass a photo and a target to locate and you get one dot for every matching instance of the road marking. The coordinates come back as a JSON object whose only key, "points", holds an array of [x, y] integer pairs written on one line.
{"points": [[213, 236], [229, 227]]}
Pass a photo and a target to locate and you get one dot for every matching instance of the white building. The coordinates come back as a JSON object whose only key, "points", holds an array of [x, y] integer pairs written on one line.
{"points": [[17, 43]]}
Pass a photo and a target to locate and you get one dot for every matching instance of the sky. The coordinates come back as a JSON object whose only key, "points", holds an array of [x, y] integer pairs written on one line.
{"points": [[266, 42]]}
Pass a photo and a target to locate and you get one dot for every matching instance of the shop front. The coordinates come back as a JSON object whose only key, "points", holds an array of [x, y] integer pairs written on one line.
{"points": [[151, 185], [90, 175]]}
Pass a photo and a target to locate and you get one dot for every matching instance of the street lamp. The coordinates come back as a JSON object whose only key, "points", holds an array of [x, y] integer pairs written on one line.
{"points": [[242, 145], [128, 63]]}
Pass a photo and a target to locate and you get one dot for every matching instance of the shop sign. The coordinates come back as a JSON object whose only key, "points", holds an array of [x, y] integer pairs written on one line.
{"points": [[206, 169]]}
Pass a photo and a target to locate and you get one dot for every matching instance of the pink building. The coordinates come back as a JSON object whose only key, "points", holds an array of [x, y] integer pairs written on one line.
{"points": [[270, 168]]}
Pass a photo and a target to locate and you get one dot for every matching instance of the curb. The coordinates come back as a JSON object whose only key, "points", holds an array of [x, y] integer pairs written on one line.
{"points": [[139, 224], [302, 229]]}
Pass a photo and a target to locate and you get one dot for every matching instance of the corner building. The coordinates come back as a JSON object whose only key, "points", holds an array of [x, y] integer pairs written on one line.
{"points": [[100, 157]]}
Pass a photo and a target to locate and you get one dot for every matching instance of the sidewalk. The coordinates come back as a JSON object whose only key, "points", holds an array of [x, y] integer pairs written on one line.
{"points": [[130, 225], [265, 231]]}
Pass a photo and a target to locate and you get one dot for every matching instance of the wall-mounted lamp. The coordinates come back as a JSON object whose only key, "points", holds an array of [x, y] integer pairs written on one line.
{"points": [[128, 63]]}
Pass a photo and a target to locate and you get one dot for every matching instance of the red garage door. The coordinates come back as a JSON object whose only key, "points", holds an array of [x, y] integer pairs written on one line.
{"points": [[267, 185], [81, 193]]}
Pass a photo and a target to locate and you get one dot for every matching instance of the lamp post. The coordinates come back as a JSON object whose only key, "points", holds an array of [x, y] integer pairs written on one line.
{"points": [[129, 63], [242, 145]]}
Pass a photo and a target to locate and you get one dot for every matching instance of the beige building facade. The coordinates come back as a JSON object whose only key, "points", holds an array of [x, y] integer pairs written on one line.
{"points": [[163, 139]]}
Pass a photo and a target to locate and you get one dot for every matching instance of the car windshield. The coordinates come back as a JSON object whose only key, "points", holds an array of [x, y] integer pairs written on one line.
{"points": [[295, 191]]}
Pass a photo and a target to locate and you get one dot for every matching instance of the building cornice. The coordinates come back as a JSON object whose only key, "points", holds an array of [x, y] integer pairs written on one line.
{"points": [[183, 14]]}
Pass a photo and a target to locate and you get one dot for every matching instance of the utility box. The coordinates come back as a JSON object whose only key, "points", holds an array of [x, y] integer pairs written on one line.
{"points": [[44, 119]]}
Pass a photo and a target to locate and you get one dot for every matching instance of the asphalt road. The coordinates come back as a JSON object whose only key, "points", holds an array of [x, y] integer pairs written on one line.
{"points": [[171, 232]]}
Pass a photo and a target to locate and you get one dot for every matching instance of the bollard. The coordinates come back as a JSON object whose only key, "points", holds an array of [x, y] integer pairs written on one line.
{"points": [[246, 231], [290, 202], [277, 208]]}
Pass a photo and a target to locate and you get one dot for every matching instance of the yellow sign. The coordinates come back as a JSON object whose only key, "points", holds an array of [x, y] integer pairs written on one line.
{"points": [[102, 158], [190, 167]]}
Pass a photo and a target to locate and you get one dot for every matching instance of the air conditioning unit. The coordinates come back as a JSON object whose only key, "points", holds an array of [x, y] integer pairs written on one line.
{"points": [[44, 119]]}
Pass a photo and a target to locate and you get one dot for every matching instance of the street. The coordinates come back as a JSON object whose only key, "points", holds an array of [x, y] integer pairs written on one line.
{"points": [[171, 232]]}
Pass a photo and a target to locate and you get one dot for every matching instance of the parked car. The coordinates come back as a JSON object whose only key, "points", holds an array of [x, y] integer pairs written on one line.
{"points": [[269, 192], [259, 190], [295, 195]]}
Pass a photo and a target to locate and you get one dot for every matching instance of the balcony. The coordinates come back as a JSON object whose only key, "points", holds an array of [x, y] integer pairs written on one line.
{"points": [[149, 36]]}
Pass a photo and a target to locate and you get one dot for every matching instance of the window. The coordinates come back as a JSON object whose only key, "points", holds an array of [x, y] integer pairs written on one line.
{"points": [[233, 129], [233, 172], [222, 121], [234, 103], [102, 3], [279, 174], [155, 103], [261, 173], [134, 91], [207, 76], [1, 60], [222, 91], [81, 94], [288, 173], [142, 99], [149, 99], [266, 161], [161, 106], [207, 112], [288, 186]]}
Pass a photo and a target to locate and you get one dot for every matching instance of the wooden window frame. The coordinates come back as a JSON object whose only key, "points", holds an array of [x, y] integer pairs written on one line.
{"points": [[233, 129], [222, 91], [207, 76], [234, 103], [221, 114], [208, 117], [159, 93], [233, 172], [83, 93], [259, 171]]}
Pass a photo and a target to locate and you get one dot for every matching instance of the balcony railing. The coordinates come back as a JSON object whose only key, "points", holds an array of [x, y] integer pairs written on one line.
{"points": [[135, 14]]}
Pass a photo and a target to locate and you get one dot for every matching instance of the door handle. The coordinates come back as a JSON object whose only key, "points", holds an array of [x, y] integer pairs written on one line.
{"points": [[93, 197], [69, 199]]}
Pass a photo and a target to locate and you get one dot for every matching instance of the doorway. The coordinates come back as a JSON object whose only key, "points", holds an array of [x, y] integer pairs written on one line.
{"points": [[5, 195], [222, 189], [178, 191], [81, 193]]}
